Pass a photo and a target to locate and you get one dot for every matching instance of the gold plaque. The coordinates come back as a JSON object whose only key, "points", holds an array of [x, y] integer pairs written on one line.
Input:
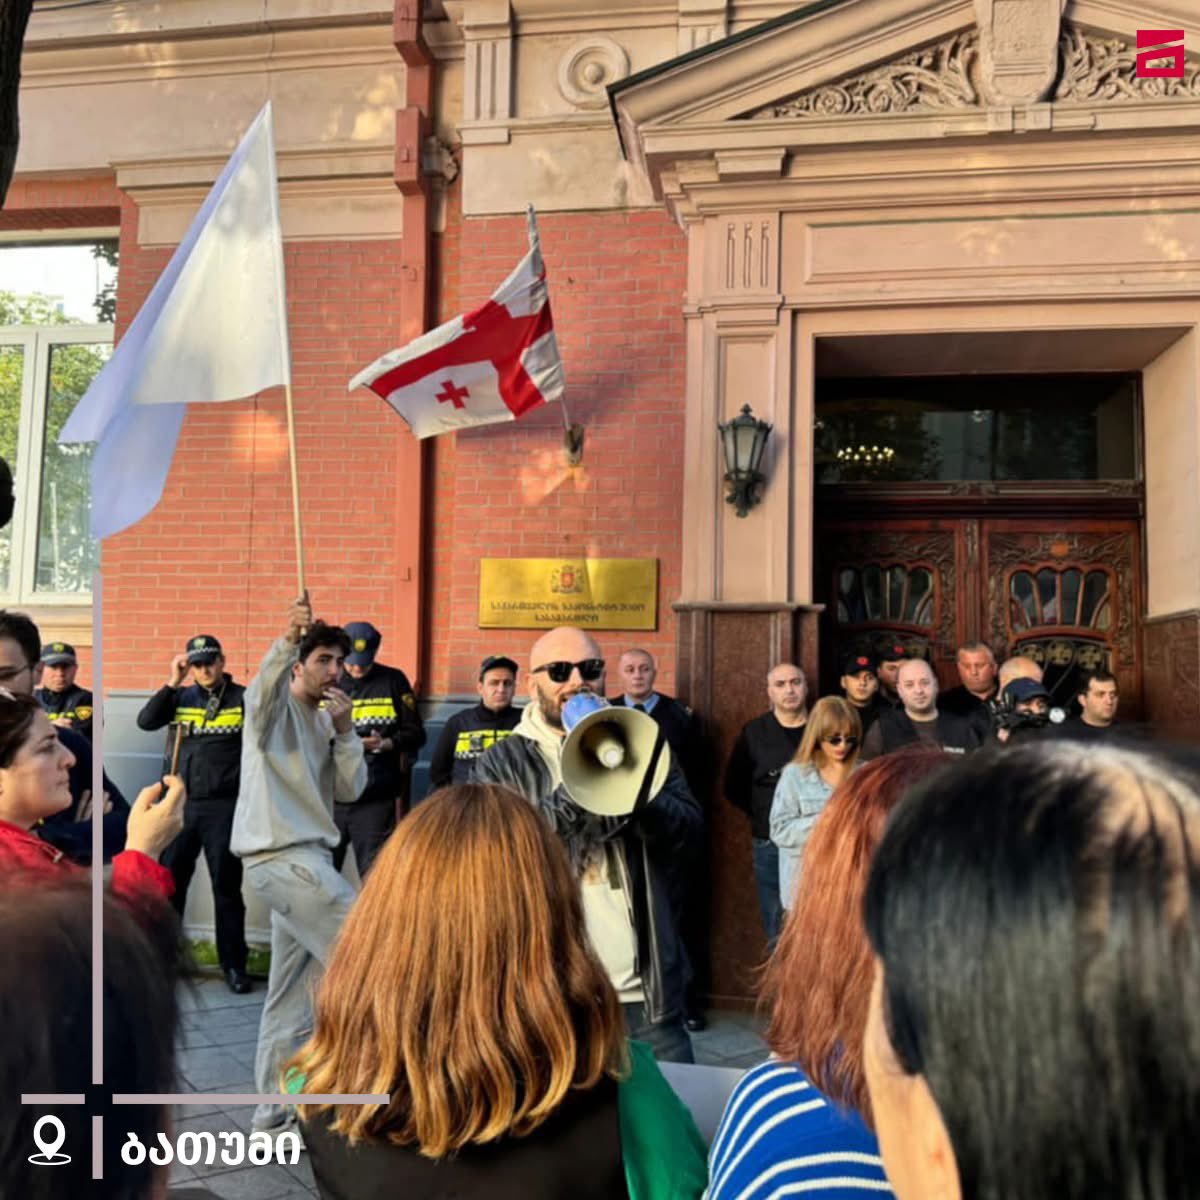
{"points": [[593, 593]]}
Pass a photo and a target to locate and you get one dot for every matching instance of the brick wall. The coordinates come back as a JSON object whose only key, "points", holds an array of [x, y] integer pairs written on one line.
{"points": [[217, 554], [616, 284]]}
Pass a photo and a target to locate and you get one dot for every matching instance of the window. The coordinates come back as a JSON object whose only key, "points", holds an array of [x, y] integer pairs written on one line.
{"points": [[997, 428], [51, 348]]}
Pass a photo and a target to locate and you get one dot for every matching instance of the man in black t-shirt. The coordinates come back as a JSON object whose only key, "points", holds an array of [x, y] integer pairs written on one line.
{"points": [[1098, 701], [919, 720], [764, 747]]}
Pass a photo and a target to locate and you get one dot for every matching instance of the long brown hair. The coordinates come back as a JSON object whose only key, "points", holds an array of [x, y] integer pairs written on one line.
{"points": [[818, 982], [830, 714], [462, 983]]}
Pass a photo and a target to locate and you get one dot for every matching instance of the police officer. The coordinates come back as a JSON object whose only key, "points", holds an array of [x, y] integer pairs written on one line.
{"points": [[210, 709], [469, 733], [67, 705], [386, 718], [860, 686]]}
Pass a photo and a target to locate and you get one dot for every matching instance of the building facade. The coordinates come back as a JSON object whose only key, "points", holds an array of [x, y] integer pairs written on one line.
{"points": [[948, 249]]}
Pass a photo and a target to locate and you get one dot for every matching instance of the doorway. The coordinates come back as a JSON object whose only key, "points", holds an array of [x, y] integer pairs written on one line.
{"points": [[936, 524]]}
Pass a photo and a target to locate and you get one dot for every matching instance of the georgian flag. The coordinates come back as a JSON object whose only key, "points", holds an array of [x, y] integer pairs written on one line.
{"points": [[494, 364]]}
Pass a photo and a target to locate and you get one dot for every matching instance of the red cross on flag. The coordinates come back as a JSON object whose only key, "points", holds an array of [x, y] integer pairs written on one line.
{"points": [[494, 364]]}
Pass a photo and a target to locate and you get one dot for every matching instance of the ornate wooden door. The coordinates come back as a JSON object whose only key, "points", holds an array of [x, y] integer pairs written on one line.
{"points": [[1065, 592]]}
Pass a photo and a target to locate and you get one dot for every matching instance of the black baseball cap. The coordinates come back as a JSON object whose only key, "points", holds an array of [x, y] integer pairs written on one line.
{"points": [[856, 661], [893, 652], [203, 648], [364, 643], [496, 660], [1019, 691], [58, 654]]}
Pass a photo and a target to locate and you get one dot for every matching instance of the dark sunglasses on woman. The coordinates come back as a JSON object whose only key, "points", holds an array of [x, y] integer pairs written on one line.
{"points": [[589, 670], [837, 739]]}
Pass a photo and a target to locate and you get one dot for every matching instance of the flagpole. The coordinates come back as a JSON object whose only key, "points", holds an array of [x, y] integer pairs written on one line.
{"points": [[287, 360], [291, 429], [572, 433]]}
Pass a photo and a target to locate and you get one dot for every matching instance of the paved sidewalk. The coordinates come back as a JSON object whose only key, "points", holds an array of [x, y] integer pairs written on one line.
{"points": [[217, 1055]]}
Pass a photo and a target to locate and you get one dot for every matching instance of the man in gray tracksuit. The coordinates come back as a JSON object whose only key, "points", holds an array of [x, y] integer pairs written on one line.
{"points": [[300, 754]]}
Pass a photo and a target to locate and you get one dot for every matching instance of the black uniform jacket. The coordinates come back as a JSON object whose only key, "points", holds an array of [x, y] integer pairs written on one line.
{"points": [[210, 758], [74, 705], [384, 704], [465, 737]]}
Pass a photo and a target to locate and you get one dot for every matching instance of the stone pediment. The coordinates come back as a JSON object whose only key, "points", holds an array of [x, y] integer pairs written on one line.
{"points": [[854, 72], [1092, 68]]}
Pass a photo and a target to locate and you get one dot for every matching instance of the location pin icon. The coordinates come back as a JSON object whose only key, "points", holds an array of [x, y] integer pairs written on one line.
{"points": [[49, 1146]]}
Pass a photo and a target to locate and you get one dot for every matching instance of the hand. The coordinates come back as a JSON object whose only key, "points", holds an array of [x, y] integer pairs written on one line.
{"points": [[373, 743], [179, 670], [340, 709], [61, 722], [299, 618], [155, 823]]}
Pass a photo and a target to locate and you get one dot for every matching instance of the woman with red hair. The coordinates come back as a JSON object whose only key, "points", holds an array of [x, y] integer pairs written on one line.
{"points": [[801, 1122]]}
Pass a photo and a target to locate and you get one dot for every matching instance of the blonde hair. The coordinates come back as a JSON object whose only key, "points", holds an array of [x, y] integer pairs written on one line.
{"points": [[463, 983], [829, 715]]}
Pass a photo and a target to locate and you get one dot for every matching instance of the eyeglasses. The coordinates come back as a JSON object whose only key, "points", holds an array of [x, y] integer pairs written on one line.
{"points": [[589, 670], [837, 739]]}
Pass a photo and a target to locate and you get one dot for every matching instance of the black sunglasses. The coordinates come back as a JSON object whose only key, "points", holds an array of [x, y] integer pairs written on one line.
{"points": [[837, 739], [589, 670]]}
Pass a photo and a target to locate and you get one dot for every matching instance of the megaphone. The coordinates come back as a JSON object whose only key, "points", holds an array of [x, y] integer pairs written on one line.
{"points": [[612, 757]]}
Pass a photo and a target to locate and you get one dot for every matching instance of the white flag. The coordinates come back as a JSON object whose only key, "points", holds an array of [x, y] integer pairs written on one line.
{"points": [[494, 364], [213, 328]]}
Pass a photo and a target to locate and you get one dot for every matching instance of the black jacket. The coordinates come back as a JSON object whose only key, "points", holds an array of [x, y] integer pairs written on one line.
{"points": [[955, 734], [74, 705], [646, 844], [72, 837], [762, 750], [962, 703], [384, 704], [685, 735], [870, 712], [465, 737], [210, 756]]}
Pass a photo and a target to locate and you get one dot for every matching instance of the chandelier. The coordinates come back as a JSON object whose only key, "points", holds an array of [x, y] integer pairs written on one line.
{"points": [[866, 456]]}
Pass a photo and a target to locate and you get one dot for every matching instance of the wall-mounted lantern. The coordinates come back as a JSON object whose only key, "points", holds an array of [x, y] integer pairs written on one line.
{"points": [[744, 439]]}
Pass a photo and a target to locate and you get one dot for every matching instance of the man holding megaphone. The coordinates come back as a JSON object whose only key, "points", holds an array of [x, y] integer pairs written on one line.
{"points": [[603, 778]]}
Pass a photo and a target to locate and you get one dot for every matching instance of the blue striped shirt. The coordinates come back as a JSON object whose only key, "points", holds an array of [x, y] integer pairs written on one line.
{"points": [[780, 1137]]}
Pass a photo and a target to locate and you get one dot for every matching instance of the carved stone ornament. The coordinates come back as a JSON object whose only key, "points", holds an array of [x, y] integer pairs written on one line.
{"points": [[1018, 49], [1101, 69], [951, 75], [587, 68], [938, 77]]}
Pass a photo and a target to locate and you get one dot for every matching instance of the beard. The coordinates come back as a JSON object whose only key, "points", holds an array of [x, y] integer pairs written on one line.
{"points": [[551, 706]]}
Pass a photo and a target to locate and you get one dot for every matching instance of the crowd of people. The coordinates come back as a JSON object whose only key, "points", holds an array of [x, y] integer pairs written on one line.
{"points": [[787, 761], [941, 1022]]}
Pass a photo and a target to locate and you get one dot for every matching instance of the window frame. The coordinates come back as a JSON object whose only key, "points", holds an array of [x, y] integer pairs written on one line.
{"points": [[38, 342]]}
